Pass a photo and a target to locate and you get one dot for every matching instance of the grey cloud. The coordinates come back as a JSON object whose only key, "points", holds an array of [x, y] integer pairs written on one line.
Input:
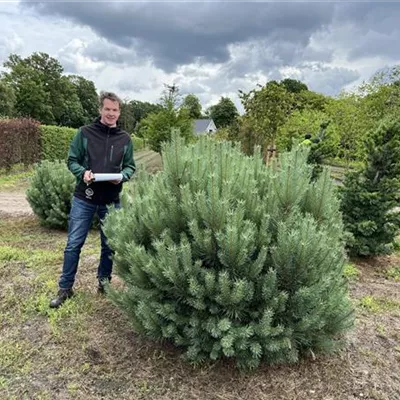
{"points": [[373, 29], [242, 40], [317, 76], [11, 43], [178, 33], [374, 43], [103, 50], [69, 65], [192, 87], [311, 54], [327, 80], [379, 15], [136, 85], [67, 57]]}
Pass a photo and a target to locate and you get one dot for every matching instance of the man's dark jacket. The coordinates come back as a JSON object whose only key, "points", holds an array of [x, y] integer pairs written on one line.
{"points": [[100, 149]]}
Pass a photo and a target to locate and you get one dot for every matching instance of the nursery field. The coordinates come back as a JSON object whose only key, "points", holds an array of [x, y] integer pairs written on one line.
{"points": [[87, 350]]}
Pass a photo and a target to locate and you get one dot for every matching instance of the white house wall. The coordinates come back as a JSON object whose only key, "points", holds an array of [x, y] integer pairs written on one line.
{"points": [[211, 127]]}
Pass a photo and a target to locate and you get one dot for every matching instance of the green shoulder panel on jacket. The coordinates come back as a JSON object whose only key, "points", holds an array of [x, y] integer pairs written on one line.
{"points": [[77, 155], [128, 163]]}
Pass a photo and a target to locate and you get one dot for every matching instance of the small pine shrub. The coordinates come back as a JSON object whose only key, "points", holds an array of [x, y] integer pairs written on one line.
{"points": [[50, 193]]}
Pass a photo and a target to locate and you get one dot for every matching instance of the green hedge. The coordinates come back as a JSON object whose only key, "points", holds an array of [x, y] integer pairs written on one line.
{"points": [[56, 141]]}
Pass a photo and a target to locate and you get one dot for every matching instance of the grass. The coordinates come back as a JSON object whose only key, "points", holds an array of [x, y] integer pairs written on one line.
{"points": [[351, 272], [378, 304], [393, 273], [7, 181], [18, 176], [342, 163]]}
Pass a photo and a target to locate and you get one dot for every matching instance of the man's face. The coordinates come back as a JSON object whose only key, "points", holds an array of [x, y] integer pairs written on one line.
{"points": [[109, 113]]}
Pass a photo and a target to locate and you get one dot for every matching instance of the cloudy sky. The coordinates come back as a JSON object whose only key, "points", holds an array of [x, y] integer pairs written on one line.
{"points": [[209, 48]]}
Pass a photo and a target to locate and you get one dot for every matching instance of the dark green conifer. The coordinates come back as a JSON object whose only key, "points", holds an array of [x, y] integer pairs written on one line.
{"points": [[370, 195]]}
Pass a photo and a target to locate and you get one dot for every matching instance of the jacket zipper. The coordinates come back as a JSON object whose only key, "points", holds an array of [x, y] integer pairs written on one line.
{"points": [[111, 152], [106, 149]]}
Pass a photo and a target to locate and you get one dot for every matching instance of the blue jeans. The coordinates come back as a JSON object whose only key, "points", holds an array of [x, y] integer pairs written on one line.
{"points": [[80, 221]]}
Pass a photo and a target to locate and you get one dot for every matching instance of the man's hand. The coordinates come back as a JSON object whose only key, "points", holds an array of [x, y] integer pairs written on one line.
{"points": [[116, 181], [88, 177]]}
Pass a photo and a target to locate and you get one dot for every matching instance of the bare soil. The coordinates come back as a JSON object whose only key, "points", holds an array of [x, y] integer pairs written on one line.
{"points": [[14, 203]]}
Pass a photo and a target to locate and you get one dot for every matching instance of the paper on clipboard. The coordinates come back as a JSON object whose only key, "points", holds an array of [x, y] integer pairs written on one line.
{"points": [[107, 177]]}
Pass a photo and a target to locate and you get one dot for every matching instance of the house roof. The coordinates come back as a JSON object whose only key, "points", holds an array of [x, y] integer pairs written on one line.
{"points": [[200, 125]]}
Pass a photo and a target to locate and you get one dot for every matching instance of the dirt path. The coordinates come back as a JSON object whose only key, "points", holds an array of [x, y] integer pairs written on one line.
{"points": [[14, 203], [13, 199]]}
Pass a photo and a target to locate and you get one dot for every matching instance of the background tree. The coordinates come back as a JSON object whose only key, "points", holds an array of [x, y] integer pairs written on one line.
{"points": [[378, 99], [7, 100], [300, 123], [133, 112], [141, 109], [88, 97], [192, 103], [30, 88], [370, 195], [157, 127], [224, 113], [43, 93], [307, 99], [127, 119], [73, 114], [346, 117], [303, 98], [267, 109], [293, 85], [171, 96]]}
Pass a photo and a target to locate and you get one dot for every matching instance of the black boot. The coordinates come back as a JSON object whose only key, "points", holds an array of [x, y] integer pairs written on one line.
{"points": [[101, 288], [62, 295]]}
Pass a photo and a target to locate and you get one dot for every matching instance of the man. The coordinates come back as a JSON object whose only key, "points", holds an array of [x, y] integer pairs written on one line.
{"points": [[100, 147], [307, 140]]}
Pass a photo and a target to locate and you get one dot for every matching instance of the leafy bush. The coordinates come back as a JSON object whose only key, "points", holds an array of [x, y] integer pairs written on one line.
{"points": [[228, 257], [56, 141], [19, 142], [303, 122], [157, 128], [50, 193], [138, 143], [370, 195]]}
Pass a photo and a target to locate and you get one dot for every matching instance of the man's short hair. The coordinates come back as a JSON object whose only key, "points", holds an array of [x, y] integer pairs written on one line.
{"points": [[110, 96]]}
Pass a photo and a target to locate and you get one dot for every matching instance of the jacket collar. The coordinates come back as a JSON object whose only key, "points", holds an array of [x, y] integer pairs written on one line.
{"points": [[105, 128]]}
